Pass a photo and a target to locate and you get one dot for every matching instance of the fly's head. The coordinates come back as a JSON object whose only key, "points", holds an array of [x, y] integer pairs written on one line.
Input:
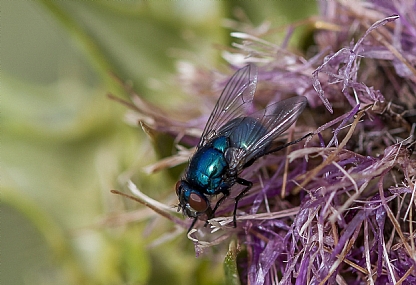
{"points": [[192, 202]]}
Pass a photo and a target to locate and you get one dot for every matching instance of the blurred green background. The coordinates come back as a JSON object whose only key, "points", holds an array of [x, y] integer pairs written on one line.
{"points": [[64, 144]]}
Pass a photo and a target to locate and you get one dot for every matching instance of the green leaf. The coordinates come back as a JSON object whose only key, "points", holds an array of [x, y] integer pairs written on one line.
{"points": [[230, 265], [137, 40]]}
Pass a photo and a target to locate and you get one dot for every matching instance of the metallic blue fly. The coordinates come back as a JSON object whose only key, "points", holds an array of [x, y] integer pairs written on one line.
{"points": [[232, 141]]}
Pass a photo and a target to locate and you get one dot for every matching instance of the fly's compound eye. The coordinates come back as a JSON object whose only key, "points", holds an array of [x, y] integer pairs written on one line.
{"points": [[198, 202], [178, 187]]}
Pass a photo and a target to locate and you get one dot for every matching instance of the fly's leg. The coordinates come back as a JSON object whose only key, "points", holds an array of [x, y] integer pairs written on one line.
{"points": [[226, 193], [248, 185], [287, 144], [251, 161], [193, 224]]}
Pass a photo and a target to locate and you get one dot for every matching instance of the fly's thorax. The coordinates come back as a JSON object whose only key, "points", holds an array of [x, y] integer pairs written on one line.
{"points": [[207, 166]]}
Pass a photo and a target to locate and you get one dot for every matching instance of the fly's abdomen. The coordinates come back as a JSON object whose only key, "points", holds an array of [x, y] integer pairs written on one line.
{"points": [[206, 169], [246, 131]]}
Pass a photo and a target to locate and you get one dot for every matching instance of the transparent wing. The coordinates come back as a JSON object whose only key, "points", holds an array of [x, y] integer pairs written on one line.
{"points": [[255, 132], [232, 103]]}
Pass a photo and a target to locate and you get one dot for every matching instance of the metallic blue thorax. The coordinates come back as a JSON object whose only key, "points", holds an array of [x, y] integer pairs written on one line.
{"points": [[208, 166]]}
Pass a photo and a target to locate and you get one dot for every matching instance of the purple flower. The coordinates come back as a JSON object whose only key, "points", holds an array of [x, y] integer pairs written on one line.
{"points": [[339, 207]]}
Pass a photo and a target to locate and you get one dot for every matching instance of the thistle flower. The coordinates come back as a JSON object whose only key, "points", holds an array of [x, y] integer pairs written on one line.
{"points": [[338, 208]]}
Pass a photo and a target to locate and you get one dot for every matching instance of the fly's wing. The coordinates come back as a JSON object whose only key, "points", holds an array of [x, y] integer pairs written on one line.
{"points": [[237, 93], [266, 125]]}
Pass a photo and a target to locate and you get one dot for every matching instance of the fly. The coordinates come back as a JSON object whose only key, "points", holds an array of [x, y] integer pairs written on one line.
{"points": [[232, 141]]}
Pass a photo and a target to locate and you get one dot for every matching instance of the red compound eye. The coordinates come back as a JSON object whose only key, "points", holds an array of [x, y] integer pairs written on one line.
{"points": [[197, 202]]}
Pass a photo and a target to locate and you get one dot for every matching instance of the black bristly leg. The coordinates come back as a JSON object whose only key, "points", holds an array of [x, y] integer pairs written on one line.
{"points": [[193, 224], [225, 194], [287, 144], [251, 161], [248, 185]]}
